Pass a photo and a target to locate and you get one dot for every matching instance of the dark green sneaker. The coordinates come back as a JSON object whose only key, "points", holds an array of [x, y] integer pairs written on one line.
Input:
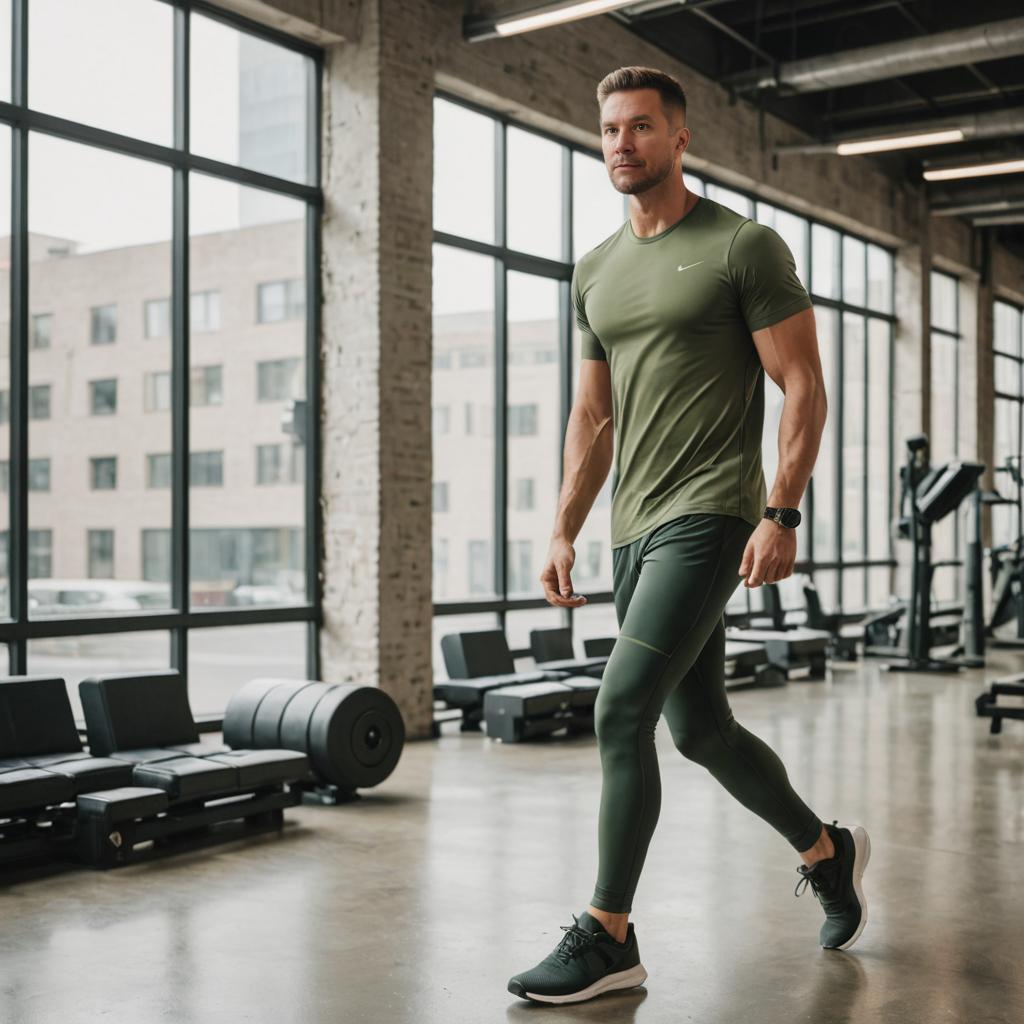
{"points": [[587, 962], [837, 884]]}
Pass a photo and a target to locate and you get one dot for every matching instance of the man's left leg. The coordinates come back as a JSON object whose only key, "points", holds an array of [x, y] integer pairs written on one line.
{"points": [[704, 730]]}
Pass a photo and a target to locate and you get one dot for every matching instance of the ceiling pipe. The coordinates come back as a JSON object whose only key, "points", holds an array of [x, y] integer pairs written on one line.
{"points": [[975, 45], [991, 125]]}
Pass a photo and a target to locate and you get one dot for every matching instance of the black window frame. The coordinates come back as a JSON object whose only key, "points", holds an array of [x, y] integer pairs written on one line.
{"points": [[16, 627]]}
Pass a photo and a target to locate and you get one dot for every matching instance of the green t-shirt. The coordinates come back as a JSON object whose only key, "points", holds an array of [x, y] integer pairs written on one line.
{"points": [[673, 314]]}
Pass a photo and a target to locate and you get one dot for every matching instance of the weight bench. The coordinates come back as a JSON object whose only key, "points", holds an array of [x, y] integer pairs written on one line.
{"points": [[485, 686], [552, 649], [43, 768], [145, 723]]}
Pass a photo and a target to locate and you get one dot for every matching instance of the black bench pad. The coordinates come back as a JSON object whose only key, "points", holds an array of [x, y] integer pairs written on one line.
{"points": [[29, 788], [264, 767], [123, 804], [187, 778]]}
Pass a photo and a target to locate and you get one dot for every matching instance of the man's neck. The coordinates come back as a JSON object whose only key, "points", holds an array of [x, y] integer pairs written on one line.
{"points": [[651, 213]]}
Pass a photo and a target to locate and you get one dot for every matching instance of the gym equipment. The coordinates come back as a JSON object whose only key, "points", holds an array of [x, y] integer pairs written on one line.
{"points": [[987, 705], [353, 735], [527, 710], [552, 649], [145, 722], [1007, 567], [798, 651], [747, 666], [479, 662], [930, 493], [43, 768], [844, 637]]}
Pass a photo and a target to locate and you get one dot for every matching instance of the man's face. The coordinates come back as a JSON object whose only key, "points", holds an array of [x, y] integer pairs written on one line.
{"points": [[640, 145]]}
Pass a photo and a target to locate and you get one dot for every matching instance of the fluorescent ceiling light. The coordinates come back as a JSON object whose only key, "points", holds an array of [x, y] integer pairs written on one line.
{"points": [[899, 142], [555, 14], [975, 170]]}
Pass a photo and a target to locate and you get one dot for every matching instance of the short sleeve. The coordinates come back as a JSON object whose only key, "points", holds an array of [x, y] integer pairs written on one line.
{"points": [[590, 347], [764, 275]]}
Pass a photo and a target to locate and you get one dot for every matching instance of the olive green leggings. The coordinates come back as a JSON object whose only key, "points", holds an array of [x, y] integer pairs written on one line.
{"points": [[671, 588]]}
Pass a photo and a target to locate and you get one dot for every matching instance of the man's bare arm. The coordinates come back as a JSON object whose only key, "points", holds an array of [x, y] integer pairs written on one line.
{"points": [[789, 354], [587, 458]]}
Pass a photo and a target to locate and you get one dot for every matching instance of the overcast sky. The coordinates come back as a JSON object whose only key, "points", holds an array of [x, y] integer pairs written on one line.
{"points": [[109, 63]]}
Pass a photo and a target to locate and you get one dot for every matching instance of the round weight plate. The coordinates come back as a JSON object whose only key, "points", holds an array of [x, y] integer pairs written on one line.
{"points": [[266, 729], [356, 736], [241, 709], [299, 713]]}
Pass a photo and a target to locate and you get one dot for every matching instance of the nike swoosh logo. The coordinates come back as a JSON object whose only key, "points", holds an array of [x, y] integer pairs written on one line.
{"points": [[687, 267]]}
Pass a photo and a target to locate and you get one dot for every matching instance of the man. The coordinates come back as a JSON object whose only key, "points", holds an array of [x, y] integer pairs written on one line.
{"points": [[680, 310]]}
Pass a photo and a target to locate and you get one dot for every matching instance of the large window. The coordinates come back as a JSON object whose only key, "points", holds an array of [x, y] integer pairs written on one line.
{"points": [[146, 276], [944, 436], [504, 339], [1008, 342]]}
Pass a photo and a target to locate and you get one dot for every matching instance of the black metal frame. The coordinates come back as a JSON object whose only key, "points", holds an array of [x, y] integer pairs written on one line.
{"points": [[18, 629], [1017, 357], [507, 259], [955, 563]]}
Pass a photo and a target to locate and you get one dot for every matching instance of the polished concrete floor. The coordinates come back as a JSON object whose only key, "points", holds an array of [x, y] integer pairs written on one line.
{"points": [[417, 903]]}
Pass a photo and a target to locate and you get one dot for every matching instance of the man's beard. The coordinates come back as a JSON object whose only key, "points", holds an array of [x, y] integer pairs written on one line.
{"points": [[633, 185]]}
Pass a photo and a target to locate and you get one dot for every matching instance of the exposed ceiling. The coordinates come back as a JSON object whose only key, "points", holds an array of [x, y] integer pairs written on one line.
{"points": [[972, 77]]}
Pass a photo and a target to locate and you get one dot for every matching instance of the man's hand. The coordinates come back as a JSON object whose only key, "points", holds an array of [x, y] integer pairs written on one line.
{"points": [[555, 577], [769, 554]]}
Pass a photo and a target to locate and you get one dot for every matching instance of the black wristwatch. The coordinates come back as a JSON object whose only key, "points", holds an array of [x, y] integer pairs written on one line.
{"points": [[788, 517]]}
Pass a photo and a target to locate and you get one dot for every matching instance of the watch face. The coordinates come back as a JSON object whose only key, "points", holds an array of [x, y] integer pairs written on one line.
{"points": [[791, 518]]}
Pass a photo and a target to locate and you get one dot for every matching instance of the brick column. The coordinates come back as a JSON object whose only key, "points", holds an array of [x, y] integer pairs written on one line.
{"points": [[377, 465]]}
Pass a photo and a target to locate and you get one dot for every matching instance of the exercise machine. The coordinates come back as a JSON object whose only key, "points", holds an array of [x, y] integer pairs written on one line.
{"points": [[928, 494]]}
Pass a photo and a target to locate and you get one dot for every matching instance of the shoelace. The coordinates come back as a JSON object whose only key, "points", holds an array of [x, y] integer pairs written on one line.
{"points": [[822, 878], [575, 940]]}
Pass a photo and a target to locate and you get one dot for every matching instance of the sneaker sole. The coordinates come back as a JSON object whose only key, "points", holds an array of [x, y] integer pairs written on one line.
{"points": [[623, 979], [861, 856]]}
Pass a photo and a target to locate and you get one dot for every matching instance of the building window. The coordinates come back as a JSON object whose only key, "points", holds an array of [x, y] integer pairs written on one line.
{"points": [[280, 300], [5, 406], [39, 402], [103, 473], [5, 476], [441, 417], [157, 317], [206, 469], [524, 494], [156, 556], [101, 554], [279, 463], [42, 330], [206, 386], [440, 496], [40, 554], [103, 330], [275, 378], [38, 474], [522, 420], [158, 471], [480, 567], [204, 314], [103, 397], [520, 567], [1008, 343], [156, 391]]}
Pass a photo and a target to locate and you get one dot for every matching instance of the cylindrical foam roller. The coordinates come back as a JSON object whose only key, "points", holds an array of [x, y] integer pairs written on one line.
{"points": [[298, 714], [240, 713], [266, 729]]}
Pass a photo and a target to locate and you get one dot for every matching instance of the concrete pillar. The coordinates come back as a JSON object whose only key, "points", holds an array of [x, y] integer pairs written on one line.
{"points": [[377, 465]]}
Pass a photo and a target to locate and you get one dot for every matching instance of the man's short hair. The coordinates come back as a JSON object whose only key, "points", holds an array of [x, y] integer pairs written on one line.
{"points": [[673, 99]]}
